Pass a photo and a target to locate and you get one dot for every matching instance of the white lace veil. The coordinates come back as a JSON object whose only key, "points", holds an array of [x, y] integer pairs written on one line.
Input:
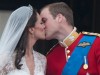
{"points": [[12, 32]]}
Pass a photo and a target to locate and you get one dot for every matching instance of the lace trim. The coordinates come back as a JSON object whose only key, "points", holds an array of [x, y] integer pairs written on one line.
{"points": [[40, 65]]}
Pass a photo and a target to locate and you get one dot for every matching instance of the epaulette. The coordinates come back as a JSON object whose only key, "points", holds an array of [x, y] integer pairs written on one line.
{"points": [[51, 49], [91, 33]]}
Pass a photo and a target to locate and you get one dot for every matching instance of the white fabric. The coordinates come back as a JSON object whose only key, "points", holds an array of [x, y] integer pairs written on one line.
{"points": [[40, 66], [9, 39], [12, 33]]}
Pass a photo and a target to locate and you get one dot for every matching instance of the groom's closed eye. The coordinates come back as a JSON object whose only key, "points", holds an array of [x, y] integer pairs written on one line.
{"points": [[44, 20]]}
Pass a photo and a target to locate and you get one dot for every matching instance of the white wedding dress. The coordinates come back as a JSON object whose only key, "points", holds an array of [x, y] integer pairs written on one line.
{"points": [[40, 66], [9, 39]]}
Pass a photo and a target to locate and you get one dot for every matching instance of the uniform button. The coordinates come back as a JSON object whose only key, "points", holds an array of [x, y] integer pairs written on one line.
{"points": [[68, 51], [68, 57]]}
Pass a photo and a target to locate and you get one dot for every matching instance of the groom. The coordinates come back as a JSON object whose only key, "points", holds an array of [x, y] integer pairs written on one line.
{"points": [[76, 53]]}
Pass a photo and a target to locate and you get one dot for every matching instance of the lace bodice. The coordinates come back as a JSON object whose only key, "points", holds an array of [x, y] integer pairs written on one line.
{"points": [[40, 66]]}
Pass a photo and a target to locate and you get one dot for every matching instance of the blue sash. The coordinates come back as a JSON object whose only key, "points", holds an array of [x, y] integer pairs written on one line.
{"points": [[77, 57]]}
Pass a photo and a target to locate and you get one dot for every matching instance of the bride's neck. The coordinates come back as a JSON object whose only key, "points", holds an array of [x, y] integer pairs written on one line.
{"points": [[29, 48], [29, 52]]}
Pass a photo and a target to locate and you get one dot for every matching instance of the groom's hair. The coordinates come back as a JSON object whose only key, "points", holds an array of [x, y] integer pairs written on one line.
{"points": [[61, 8]]}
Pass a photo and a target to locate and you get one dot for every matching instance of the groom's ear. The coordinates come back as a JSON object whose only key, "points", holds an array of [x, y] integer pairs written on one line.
{"points": [[31, 30], [59, 18]]}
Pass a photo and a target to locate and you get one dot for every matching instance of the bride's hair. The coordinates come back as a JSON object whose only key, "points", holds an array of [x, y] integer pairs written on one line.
{"points": [[22, 44]]}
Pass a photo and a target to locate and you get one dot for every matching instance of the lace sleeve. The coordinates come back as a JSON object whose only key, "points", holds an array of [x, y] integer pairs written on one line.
{"points": [[8, 67]]}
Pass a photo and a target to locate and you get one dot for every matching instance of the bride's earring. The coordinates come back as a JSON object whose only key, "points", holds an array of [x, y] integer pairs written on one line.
{"points": [[33, 34], [31, 30]]}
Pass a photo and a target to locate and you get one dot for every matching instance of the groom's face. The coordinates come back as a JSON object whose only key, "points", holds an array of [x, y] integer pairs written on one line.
{"points": [[50, 23]]}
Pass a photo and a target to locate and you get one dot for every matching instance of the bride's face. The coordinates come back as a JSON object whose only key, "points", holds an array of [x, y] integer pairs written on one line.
{"points": [[39, 29]]}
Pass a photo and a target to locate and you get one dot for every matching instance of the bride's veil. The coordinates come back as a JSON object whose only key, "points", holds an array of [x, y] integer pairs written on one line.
{"points": [[12, 32]]}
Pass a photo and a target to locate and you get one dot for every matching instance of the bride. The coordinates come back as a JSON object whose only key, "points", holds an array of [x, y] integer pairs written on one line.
{"points": [[17, 57]]}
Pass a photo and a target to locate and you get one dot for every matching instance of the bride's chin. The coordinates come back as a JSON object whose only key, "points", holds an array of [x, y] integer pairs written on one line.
{"points": [[44, 37]]}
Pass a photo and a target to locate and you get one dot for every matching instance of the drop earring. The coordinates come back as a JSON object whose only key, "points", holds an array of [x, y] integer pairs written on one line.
{"points": [[33, 34]]}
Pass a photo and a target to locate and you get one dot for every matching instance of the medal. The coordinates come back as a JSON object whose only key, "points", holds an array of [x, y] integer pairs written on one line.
{"points": [[85, 66]]}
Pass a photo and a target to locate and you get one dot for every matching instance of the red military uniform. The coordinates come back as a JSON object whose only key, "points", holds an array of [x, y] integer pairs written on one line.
{"points": [[56, 58]]}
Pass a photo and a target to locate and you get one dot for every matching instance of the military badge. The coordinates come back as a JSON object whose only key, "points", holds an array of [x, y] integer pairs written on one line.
{"points": [[84, 44]]}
